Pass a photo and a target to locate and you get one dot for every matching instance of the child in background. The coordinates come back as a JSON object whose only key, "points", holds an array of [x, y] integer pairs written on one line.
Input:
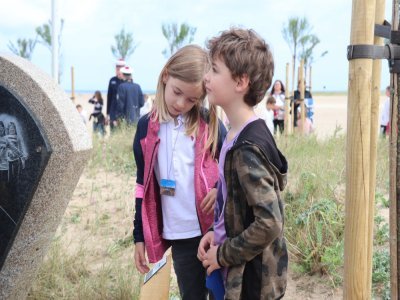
{"points": [[278, 92], [145, 109], [82, 113], [175, 147], [269, 113], [248, 227], [306, 128], [98, 117]]}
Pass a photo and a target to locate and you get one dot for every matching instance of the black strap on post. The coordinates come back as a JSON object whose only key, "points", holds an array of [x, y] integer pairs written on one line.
{"points": [[390, 51]]}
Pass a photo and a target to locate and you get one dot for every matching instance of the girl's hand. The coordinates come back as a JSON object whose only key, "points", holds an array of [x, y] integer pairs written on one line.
{"points": [[208, 203], [210, 262], [205, 243], [140, 259]]}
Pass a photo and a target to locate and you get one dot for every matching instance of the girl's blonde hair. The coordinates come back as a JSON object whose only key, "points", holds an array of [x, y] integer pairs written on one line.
{"points": [[189, 64]]}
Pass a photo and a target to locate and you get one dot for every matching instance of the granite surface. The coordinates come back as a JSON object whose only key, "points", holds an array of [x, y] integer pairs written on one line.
{"points": [[66, 145]]}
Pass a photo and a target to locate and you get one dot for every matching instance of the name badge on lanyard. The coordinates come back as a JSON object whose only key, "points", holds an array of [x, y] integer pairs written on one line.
{"points": [[167, 187]]}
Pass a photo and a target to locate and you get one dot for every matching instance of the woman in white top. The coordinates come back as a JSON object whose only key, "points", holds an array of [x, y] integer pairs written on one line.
{"points": [[278, 92]]}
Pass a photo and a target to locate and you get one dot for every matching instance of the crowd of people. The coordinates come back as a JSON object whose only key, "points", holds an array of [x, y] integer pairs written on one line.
{"points": [[274, 112], [126, 102]]}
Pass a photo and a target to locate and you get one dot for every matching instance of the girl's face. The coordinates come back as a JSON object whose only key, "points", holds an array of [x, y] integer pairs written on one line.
{"points": [[277, 86], [180, 96]]}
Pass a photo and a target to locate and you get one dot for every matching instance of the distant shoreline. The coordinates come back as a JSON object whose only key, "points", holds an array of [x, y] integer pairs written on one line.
{"points": [[104, 93]]}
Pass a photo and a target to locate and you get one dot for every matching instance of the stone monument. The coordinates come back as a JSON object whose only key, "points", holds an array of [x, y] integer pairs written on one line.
{"points": [[44, 147]]}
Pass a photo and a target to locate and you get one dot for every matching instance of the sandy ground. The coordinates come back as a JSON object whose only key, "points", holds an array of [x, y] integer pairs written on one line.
{"points": [[330, 113]]}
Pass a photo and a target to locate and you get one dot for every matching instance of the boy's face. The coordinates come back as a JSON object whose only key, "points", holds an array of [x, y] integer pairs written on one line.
{"points": [[220, 85]]}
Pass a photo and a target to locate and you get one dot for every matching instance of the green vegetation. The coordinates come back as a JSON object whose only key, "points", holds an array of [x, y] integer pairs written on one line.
{"points": [[125, 45], [315, 198]]}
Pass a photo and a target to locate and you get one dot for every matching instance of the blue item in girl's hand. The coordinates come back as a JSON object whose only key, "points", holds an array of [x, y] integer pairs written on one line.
{"points": [[215, 284]]}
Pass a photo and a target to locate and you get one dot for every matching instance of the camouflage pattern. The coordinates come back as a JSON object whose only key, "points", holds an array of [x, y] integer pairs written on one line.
{"points": [[254, 225]]}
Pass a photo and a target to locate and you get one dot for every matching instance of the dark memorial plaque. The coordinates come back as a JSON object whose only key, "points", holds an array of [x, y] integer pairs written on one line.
{"points": [[24, 153], [44, 147]]}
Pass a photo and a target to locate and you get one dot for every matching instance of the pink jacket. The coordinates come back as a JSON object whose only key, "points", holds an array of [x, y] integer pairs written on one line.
{"points": [[205, 168]]}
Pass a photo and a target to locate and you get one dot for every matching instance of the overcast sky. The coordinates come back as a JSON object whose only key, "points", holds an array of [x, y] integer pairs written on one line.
{"points": [[90, 26]]}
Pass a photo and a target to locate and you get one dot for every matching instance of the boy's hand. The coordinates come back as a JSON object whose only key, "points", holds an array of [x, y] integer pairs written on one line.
{"points": [[140, 259], [210, 262], [208, 203], [205, 243]]}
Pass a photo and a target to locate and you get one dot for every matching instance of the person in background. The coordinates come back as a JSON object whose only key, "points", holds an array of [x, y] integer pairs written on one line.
{"points": [[97, 114], [278, 92], [306, 128], [82, 113], [113, 84], [307, 95], [385, 114], [129, 98], [268, 113], [147, 105]]}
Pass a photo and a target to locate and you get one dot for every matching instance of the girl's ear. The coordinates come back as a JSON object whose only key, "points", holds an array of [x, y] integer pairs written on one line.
{"points": [[242, 83], [165, 77]]}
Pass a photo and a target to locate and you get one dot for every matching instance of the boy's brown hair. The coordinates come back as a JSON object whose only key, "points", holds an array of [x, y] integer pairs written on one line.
{"points": [[244, 52]]}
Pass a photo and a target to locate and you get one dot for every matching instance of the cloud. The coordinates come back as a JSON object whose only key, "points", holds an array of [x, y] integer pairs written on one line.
{"points": [[19, 14]]}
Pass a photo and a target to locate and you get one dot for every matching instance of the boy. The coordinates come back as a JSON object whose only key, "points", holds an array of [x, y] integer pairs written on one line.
{"points": [[269, 113], [247, 236]]}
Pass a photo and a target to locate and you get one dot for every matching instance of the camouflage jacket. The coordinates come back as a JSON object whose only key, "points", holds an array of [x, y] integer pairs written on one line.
{"points": [[255, 249]]}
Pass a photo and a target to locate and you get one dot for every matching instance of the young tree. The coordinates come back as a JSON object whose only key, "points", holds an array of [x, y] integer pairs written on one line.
{"points": [[44, 33], [125, 45], [293, 32], [177, 38], [23, 48], [307, 45]]}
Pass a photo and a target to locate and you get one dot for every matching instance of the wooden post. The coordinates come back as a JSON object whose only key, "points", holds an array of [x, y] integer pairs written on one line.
{"points": [[72, 84], [302, 88], [287, 103], [292, 95], [376, 93], [394, 191], [358, 243]]}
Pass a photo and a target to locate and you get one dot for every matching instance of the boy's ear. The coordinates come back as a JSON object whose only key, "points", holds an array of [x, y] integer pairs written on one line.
{"points": [[242, 83]]}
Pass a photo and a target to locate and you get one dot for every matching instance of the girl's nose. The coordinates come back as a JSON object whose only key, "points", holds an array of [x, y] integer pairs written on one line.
{"points": [[180, 102]]}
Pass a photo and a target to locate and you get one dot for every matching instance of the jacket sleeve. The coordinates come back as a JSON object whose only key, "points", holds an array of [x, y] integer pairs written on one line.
{"points": [[257, 182], [120, 107], [141, 97], [138, 153], [109, 97]]}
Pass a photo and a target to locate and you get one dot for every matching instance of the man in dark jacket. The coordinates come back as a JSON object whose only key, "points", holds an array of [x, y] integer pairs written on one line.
{"points": [[297, 101], [129, 98], [112, 93]]}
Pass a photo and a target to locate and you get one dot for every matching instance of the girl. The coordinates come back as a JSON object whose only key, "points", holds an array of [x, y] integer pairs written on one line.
{"points": [[175, 148], [278, 92], [99, 120]]}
